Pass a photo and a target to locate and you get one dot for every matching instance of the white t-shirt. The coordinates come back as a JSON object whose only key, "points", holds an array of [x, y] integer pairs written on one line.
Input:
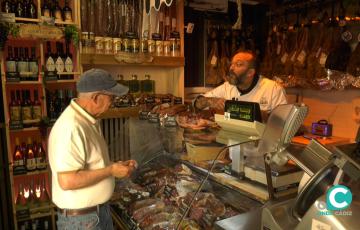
{"points": [[76, 142], [266, 92]]}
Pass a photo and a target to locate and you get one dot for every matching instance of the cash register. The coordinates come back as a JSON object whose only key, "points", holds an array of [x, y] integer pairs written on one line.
{"points": [[243, 131]]}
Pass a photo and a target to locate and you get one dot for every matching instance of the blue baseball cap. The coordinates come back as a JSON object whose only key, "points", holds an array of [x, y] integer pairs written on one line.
{"points": [[100, 80]]}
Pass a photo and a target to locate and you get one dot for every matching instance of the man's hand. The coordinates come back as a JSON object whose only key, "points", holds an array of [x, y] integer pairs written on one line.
{"points": [[217, 104], [123, 169]]}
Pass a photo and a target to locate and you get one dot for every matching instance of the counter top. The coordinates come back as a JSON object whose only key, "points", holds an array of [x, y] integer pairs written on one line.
{"points": [[304, 140]]}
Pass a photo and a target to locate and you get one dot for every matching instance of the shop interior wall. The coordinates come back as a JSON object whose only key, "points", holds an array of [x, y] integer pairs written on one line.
{"points": [[167, 79], [337, 107]]}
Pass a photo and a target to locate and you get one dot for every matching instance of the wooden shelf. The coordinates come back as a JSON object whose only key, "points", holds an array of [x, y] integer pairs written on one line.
{"points": [[121, 112], [61, 81], [36, 172], [25, 129], [64, 23], [35, 20], [24, 83], [103, 59]]}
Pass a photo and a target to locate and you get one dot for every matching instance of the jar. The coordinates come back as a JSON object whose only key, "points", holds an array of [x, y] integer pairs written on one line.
{"points": [[91, 43], [134, 45], [84, 42], [159, 45], [144, 46], [151, 46], [167, 48], [108, 45], [175, 44], [99, 45], [116, 45], [125, 45]]}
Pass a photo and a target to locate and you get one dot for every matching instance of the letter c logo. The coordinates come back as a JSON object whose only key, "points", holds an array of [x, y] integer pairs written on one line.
{"points": [[338, 197]]}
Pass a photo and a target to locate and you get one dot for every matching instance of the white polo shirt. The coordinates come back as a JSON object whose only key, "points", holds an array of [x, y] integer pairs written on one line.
{"points": [[266, 92], [76, 142]]}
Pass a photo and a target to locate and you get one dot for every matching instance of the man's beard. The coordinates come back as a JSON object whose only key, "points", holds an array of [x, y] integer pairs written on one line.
{"points": [[235, 79]]}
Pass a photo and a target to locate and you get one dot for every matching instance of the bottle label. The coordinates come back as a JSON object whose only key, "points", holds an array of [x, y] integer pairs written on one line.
{"points": [[36, 112], [30, 163], [68, 16], [47, 13], [23, 66], [50, 65], [18, 163], [59, 65], [11, 66], [40, 163], [26, 113], [15, 114], [68, 65], [33, 67], [58, 15]]}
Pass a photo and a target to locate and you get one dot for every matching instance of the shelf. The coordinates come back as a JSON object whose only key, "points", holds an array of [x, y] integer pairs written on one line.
{"points": [[103, 59], [64, 23], [121, 112], [61, 81], [38, 212], [35, 20], [36, 172], [24, 129], [24, 83]]}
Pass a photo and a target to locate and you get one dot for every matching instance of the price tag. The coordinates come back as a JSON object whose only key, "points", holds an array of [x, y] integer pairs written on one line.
{"points": [[213, 60], [301, 57], [278, 49], [323, 58], [284, 58]]}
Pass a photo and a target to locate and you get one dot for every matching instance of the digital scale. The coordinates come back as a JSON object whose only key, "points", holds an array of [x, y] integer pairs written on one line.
{"points": [[243, 131]]}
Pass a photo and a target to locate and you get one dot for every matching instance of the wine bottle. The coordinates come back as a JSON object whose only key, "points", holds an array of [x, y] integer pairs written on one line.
{"points": [[18, 157], [27, 76], [68, 62], [19, 9], [14, 109], [30, 157], [36, 107], [44, 196], [50, 63], [147, 85], [25, 5], [6, 6], [134, 86], [22, 65], [46, 11], [67, 12], [59, 63], [26, 109], [10, 65], [57, 13], [40, 157], [32, 200], [20, 199], [32, 9], [33, 65]]}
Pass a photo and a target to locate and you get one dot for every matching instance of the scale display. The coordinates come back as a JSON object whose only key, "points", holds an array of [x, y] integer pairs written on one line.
{"points": [[243, 110]]}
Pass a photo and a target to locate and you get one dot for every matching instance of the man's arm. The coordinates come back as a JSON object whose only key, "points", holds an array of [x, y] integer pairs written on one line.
{"points": [[84, 178]]}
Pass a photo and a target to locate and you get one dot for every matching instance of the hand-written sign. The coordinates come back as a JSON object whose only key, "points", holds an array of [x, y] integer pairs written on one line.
{"points": [[40, 31]]}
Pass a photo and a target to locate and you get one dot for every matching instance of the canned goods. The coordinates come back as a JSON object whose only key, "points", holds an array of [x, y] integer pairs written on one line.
{"points": [[116, 45], [108, 45], [99, 45]]}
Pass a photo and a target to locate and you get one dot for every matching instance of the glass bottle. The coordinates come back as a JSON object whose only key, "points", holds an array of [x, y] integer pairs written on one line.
{"points": [[49, 62], [32, 197], [26, 109], [44, 196], [134, 86], [68, 62], [22, 65], [67, 12], [10, 64], [59, 63], [30, 157], [6, 6], [19, 9], [33, 65], [20, 198], [14, 109], [57, 12], [36, 115], [26, 67], [40, 157], [32, 10], [18, 157], [147, 85], [46, 11]]}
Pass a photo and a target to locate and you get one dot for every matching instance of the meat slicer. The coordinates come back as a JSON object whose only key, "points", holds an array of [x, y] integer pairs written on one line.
{"points": [[244, 132]]}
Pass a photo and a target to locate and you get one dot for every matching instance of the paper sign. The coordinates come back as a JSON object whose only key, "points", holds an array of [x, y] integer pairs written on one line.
{"points": [[7, 17], [40, 31], [301, 57], [323, 58], [284, 58], [213, 60]]}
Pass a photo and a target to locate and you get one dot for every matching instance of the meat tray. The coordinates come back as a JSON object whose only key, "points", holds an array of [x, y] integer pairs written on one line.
{"points": [[164, 188]]}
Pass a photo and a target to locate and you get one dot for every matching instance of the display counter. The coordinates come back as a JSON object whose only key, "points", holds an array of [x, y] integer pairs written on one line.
{"points": [[182, 180]]}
